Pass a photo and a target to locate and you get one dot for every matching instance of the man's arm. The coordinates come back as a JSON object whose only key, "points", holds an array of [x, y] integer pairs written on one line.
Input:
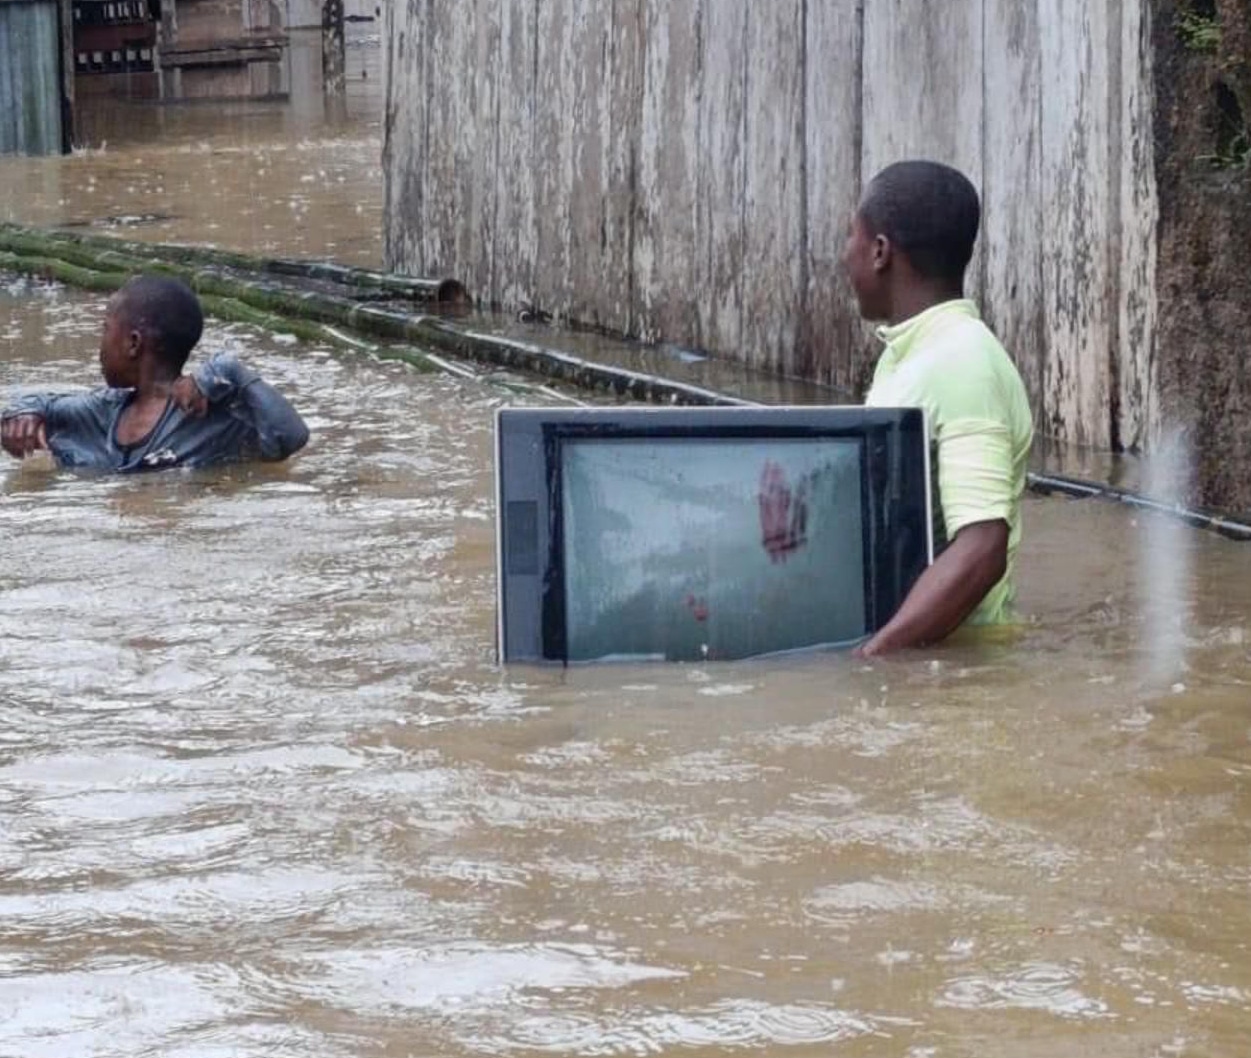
{"points": [[977, 492], [279, 429], [948, 591], [26, 425]]}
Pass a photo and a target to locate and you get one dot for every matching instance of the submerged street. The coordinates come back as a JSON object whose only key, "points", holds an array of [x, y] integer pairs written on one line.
{"points": [[266, 792]]}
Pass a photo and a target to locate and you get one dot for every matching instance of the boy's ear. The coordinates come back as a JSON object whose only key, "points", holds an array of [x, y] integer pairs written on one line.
{"points": [[883, 253], [134, 343]]}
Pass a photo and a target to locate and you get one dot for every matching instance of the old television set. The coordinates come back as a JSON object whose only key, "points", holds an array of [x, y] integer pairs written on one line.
{"points": [[690, 534]]}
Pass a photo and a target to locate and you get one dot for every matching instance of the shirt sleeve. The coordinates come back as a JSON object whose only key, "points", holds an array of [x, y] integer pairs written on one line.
{"points": [[82, 416], [279, 429], [975, 473]]}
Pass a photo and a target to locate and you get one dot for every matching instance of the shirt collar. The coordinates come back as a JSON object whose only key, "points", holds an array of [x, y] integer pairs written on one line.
{"points": [[903, 336]]}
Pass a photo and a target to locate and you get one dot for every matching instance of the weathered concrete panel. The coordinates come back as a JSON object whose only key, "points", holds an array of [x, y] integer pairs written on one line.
{"points": [[831, 340], [1012, 211], [1138, 422], [554, 147], [923, 83], [1080, 227], [406, 122], [721, 178], [450, 35], [477, 150], [775, 238], [586, 130], [607, 68], [515, 236], [666, 217]]}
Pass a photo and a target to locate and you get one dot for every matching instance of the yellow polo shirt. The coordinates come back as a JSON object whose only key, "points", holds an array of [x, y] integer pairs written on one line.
{"points": [[948, 362]]}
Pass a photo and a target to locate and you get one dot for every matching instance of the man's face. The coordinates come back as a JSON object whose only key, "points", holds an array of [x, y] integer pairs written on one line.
{"points": [[864, 264], [119, 359]]}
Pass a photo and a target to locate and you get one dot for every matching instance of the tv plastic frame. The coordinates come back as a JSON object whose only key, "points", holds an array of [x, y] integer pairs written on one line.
{"points": [[530, 584]]}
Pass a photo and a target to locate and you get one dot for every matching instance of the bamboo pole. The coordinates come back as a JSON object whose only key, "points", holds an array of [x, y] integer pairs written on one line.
{"points": [[80, 265], [229, 309], [410, 288]]}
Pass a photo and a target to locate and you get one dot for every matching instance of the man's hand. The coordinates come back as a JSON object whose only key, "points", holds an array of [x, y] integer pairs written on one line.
{"points": [[947, 592], [23, 434], [186, 394]]}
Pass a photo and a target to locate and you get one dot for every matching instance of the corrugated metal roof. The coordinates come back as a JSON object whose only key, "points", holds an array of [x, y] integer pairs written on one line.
{"points": [[30, 90]]}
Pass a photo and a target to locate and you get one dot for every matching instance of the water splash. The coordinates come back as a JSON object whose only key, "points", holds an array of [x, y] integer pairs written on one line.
{"points": [[1164, 562]]}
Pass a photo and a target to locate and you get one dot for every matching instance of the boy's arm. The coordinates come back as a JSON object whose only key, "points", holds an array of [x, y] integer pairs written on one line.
{"points": [[279, 428], [28, 423]]}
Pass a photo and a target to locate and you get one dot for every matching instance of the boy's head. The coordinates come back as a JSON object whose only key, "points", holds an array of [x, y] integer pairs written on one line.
{"points": [[151, 319], [915, 226]]}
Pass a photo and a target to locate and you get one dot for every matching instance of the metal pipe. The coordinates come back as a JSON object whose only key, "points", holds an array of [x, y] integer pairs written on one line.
{"points": [[1047, 484]]}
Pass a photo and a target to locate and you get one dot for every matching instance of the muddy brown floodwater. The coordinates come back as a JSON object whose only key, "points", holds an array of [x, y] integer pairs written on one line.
{"points": [[263, 790]]}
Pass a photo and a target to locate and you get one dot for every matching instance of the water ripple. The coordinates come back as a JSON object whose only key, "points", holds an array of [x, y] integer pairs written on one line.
{"points": [[1044, 987]]}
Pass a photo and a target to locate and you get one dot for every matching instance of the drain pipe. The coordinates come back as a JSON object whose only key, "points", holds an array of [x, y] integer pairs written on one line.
{"points": [[1049, 484]]}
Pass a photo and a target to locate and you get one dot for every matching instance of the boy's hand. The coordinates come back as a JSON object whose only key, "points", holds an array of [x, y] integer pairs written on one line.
{"points": [[186, 394], [23, 434]]}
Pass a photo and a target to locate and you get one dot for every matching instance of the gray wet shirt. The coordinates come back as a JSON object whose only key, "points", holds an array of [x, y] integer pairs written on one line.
{"points": [[247, 419]]}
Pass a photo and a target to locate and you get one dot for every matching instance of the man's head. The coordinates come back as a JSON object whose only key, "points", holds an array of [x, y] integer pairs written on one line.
{"points": [[151, 324], [913, 231]]}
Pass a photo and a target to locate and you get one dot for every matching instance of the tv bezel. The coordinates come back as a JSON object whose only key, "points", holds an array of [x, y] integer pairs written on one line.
{"points": [[883, 593]]}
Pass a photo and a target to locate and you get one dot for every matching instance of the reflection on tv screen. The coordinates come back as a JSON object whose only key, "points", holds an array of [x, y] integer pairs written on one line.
{"points": [[716, 549]]}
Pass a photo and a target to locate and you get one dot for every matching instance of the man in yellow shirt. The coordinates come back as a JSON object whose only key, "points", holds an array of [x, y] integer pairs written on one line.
{"points": [[910, 244]]}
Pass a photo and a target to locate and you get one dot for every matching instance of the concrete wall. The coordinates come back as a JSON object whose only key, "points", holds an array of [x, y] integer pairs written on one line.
{"points": [[685, 169]]}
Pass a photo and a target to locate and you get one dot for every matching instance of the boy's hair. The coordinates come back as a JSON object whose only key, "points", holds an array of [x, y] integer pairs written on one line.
{"points": [[929, 211], [166, 312]]}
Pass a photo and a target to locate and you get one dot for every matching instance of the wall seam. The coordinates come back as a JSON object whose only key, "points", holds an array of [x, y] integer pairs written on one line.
{"points": [[747, 355], [805, 357], [493, 295], [633, 309], [532, 281], [984, 262], [851, 357], [1116, 205]]}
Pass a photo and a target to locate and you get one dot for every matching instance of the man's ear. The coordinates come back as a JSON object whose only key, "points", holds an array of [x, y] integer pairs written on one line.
{"points": [[134, 343], [883, 253]]}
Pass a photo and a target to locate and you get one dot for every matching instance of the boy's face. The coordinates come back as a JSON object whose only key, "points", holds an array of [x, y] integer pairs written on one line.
{"points": [[864, 262], [119, 350]]}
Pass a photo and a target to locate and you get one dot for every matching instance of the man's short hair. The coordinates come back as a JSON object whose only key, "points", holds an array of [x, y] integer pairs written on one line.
{"points": [[930, 212], [166, 312]]}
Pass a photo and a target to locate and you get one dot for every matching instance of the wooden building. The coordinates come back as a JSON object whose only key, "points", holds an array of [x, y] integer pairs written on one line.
{"points": [[181, 49]]}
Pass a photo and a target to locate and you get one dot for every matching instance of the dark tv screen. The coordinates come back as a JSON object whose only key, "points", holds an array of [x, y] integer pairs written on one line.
{"points": [[700, 548]]}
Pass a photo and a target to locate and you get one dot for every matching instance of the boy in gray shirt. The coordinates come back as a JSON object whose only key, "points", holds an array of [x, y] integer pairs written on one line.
{"points": [[150, 415]]}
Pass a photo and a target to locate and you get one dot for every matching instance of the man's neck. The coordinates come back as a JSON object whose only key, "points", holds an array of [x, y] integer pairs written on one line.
{"points": [[915, 300]]}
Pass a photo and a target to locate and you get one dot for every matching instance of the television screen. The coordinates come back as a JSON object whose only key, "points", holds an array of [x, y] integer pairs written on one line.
{"points": [[705, 533], [699, 548]]}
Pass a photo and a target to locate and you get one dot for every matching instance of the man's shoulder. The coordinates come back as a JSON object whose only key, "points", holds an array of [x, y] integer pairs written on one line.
{"points": [[969, 354], [965, 341], [966, 373]]}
